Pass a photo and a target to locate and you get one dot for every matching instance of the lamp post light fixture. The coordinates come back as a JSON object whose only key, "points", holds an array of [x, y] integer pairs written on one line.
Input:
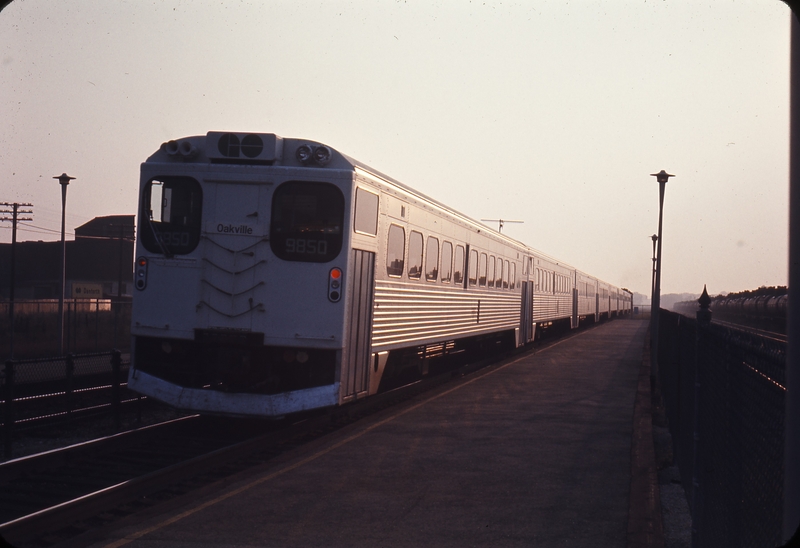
{"points": [[63, 180], [662, 177]]}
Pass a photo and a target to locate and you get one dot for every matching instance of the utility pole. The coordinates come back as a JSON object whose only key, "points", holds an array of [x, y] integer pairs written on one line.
{"points": [[15, 218]]}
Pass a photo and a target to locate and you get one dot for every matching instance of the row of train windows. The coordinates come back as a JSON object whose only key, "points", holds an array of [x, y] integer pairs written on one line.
{"points": [[484, 270], [586, 290], [551, 282]]}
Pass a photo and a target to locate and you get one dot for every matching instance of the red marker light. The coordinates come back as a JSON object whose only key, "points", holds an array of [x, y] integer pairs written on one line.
{"points": [[141, 273], [334, 285]]}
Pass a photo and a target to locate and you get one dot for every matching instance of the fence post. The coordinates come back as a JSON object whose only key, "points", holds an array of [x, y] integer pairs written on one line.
{"points": [[70, 373], [116, 362], [8, 410], [703, 322]]}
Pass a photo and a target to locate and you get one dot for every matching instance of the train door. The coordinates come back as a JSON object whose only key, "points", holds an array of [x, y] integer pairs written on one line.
{"points": [[597, 305], [356, 352], [526, 314], [575, 320]]}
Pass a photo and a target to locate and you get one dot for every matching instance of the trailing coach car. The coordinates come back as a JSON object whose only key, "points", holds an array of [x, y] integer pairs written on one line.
{"points": [[277, 275]]}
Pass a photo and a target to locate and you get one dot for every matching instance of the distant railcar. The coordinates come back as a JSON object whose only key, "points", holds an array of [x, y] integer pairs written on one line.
{"points": [[766, 312], [278, 275]]}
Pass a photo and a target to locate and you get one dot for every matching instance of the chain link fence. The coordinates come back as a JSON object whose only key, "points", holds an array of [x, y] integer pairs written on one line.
{"points": [[38, 392], [724, 393], [90, 325]]}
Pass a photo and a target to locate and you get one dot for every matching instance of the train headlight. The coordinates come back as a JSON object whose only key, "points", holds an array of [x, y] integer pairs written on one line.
{"points": [[304, 154], [171, 147], [141, 273], [322, 155], [334, 285], [308, 154], [187, 150]]}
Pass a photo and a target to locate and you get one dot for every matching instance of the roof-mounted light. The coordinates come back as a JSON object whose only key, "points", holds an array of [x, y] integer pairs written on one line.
{"points": [[304, 154], [243, 147], [313, 154], [180, 150], [187, 150], [170, 147], [322, 155]]}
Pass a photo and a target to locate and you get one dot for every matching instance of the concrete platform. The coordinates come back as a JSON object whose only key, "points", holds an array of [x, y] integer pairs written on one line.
{"points": [[532, 452]]}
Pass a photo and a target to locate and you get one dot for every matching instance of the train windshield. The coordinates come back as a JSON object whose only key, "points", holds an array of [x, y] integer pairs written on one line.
{"points": [[306, 223], [170, 219]]}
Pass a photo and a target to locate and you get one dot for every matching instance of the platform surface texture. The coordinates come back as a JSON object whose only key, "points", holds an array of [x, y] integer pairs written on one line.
{"points": [[535, 451]]}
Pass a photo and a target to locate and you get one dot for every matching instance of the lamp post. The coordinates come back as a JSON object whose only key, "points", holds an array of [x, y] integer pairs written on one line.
{"points": [[63, 180], [653, 274], [662, 177]]}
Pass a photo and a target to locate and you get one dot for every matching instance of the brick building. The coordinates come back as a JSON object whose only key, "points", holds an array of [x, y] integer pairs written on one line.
{"points": [[100, 256]]}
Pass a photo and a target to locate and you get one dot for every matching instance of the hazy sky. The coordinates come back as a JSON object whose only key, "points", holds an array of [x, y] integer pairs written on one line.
{"points": [[553, 112]]}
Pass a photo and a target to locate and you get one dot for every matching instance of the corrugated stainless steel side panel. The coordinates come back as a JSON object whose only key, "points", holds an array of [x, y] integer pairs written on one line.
{"points": [[407, 314], [548, 306], [586, 305], [356, 354]]}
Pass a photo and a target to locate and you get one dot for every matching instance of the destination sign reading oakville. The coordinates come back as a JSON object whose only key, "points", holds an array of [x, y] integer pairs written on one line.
{"points": [[235, 229], [230, 229]]}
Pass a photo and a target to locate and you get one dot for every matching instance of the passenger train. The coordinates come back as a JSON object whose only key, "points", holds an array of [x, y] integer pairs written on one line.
{"points": [[277, 275]]}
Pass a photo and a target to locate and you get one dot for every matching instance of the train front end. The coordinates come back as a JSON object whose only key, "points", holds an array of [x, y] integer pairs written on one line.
{"points": [[239, 300]]}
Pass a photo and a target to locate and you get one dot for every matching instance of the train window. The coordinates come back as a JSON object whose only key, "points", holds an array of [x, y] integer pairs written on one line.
{"points": [[505, 280], [473, 267], [172, 207], [458, 265], [432, 260], [513, 277], [491, 271], [307, 221], [395, 250], [498, 282], [482, 270], [415, 255], [447, 262], [366, 216]]}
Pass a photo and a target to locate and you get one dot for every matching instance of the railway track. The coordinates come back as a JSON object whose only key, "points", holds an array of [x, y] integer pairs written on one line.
{"points": [[50, 497], [771, 335], [45, 492]]}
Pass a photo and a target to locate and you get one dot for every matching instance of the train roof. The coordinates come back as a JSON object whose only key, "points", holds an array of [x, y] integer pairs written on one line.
{"points": [[269, 149]]}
